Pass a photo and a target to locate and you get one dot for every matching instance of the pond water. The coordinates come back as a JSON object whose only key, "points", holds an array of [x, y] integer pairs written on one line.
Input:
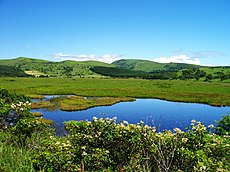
{"points": [[154, 112]]}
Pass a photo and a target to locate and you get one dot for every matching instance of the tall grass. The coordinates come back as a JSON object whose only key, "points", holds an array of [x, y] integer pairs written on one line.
{"points": [[14, 158]]}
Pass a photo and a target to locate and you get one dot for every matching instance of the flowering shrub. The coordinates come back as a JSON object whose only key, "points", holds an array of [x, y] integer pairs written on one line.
{"points": [[223, 126], [56, 154], [203, 151], [12, 108], [105, 145], [16, 118]]}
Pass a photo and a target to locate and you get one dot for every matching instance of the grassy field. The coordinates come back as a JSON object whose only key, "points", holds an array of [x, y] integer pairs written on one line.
{"points": [[214, 93]]}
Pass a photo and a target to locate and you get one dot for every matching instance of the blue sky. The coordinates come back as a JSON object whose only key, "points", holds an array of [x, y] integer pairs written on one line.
{"points": [[191, 31]]}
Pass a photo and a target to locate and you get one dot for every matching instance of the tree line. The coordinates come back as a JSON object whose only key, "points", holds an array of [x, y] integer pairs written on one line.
{"points": [[184, 74]]}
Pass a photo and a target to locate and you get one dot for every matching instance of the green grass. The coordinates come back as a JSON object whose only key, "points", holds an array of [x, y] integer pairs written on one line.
{"points": [[214, 93], [14, 158]]}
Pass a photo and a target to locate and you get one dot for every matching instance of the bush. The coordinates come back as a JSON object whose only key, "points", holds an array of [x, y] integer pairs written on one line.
{"points": [[105, 145], [56, 154], [12, 108], [223, 126], [16, 118]]}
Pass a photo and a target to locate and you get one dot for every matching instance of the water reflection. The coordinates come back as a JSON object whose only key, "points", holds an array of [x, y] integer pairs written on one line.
{"points": [[165, 114]]}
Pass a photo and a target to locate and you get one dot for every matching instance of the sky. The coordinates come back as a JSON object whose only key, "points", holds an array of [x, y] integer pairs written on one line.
{"points": [[184, 31]]}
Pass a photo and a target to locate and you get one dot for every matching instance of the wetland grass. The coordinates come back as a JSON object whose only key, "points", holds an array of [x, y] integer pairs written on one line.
{"points": [[75, 103], [41, 104], [39, 117], [212, 93], [37, 114], [14, 157], [46, 121]]}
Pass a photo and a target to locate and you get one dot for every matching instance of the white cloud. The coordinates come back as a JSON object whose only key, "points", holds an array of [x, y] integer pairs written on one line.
{"points": [[83, 57], [178, 59], [200, 54]]}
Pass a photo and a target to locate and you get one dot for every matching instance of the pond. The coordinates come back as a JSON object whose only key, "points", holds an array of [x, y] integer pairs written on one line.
{"points": [[154, 112]]}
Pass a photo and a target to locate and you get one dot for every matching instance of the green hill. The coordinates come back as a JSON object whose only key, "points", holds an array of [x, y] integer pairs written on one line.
{"points": [[128, 68], [96, 63], [153, 70], [149, 66], [11, 71], [23, 62], [40, 67]]}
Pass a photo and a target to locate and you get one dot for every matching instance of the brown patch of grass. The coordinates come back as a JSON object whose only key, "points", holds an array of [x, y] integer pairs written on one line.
{"points": [[46, 121], [33, 96], [41, 104], [74, 103], [37, 114]]}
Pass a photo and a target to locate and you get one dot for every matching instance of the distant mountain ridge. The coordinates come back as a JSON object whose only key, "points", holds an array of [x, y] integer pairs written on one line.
{"points": [[149, 66], [23, 66]]}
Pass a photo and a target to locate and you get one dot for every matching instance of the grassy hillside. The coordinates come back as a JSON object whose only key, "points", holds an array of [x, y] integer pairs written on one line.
{"points": [[128, 68], [39, 67], [143, 65], [96, 63], [11, 71], [117, 72], [149, 66], [21, 61], [152, 70]]}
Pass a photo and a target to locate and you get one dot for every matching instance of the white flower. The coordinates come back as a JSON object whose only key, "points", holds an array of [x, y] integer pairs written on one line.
{"points": [[114, 118], [95, 118], [57, 143], [84, 153], [184, 140], [211, 126], [193, 121], [122, 125], [83, 147], [141, 122], [101, 120], [13, 106], [125, 122], [177, 130], [20, 104], [154, 129]]}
